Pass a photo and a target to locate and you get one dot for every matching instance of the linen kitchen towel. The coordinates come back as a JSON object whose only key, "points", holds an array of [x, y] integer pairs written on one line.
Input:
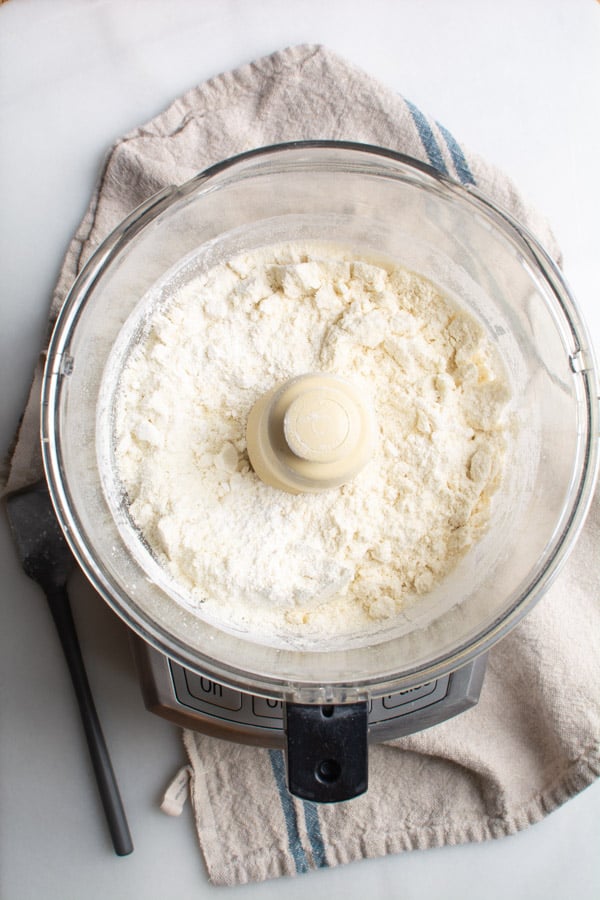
{"points": [[533, 740]]}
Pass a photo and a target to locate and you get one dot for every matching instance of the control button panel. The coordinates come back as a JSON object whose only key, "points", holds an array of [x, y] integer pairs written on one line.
{"points": [[197, 692], [200, 703]]}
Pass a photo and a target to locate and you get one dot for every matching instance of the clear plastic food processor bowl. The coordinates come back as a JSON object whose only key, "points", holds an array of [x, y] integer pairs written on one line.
{"points": [[378, 202]]}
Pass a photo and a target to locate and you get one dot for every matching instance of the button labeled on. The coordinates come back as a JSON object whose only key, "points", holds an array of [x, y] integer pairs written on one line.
{"points": [[212, 692]]}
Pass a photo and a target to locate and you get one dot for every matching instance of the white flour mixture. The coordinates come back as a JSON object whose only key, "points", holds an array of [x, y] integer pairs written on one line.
{"points": [[251, 556]]}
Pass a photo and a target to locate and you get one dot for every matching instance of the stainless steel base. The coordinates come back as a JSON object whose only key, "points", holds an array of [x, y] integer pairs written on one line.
{"points": [[202, 704]]}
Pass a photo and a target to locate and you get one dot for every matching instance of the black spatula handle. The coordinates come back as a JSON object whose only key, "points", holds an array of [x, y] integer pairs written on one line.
{"points": [[60, 607]]}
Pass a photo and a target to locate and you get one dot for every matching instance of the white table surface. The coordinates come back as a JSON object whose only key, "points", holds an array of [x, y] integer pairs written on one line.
{"points": [[518, 81]]}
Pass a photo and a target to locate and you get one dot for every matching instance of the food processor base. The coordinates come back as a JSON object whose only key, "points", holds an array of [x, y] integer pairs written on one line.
{"points": [[199, 703]]}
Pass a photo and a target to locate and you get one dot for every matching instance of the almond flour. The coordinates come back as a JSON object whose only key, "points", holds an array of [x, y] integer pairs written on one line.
{"points": [[251, 557]]}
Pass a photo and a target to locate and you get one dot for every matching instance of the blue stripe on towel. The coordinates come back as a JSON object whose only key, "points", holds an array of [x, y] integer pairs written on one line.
{"points": [[458, 157], [313, 827], [289, 812], [428, 140]]}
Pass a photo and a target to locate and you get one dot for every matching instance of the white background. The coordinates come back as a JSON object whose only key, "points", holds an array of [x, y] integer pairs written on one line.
{"points": [[517, 81]]}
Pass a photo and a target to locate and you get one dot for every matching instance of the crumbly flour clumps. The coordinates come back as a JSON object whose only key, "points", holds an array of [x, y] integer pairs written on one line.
{"points": [[250, 556]]}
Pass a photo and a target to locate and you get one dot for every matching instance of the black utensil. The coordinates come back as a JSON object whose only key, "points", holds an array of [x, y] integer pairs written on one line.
{"points": [[46, 558]]}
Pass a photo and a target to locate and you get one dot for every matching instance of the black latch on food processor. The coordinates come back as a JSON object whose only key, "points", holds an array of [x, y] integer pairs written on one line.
{"points": [[327, 751]]}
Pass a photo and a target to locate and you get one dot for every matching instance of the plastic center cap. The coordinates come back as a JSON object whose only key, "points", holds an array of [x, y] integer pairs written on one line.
{"points": [[318, 423], [312, 433]]}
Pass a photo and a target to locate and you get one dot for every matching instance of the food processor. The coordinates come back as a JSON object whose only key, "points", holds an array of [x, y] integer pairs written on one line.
{"points": [[324, 702]]}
